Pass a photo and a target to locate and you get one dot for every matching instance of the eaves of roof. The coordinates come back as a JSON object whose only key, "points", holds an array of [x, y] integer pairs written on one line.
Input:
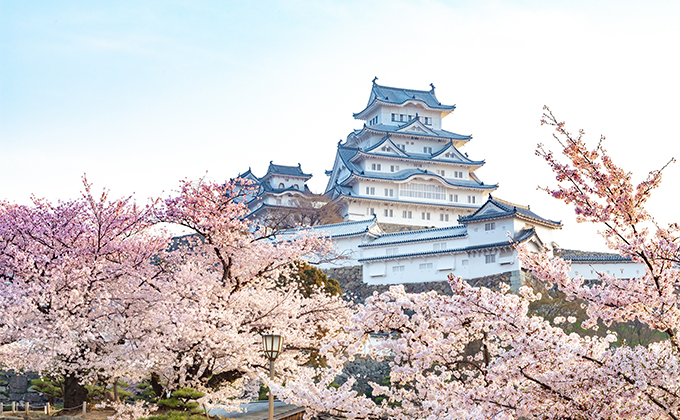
{"points": [[413, 203], [410, 173], [403, 237], [421, 158], [596, 259], [524, 237], [382, 95], [439, 134], [509, 211]]}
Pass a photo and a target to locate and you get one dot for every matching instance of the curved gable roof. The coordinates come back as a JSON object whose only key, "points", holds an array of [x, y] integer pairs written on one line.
{"points": [[399, 96], [285, 170], [495, 209]]}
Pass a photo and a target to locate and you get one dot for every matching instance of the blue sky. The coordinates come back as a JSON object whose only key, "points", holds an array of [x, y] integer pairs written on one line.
{"points": [[140, 94]]}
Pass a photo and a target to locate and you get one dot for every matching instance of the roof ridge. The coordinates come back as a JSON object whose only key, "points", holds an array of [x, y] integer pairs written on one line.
{"points": [[404, 89], [420, 230], [509, 203], [347, 223]]}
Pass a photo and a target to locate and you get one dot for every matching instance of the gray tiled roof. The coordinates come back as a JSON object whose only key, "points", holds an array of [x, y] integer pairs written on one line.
{"points": [[398, 96], [408, 173], [286, 170], [337, 230], [419, 236], [505, 211], [440, 134], [429, 157], [522, 236], [247, 175], [574, 255]]}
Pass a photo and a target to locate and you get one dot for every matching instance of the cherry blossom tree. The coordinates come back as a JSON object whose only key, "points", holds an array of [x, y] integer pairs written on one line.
{"points": [[92, 288], [230, 284], [481, 354], [75, 279]]}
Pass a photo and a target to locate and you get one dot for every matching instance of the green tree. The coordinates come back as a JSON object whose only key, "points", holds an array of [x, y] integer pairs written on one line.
{"points": [[310, 279]]}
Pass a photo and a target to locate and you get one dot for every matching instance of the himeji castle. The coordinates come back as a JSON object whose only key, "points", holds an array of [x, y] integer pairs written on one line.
{"points": [[403, 166], [414, 209]]}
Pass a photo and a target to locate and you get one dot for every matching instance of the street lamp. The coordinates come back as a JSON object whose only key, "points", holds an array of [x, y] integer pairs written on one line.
{"points": [[273, 345]]}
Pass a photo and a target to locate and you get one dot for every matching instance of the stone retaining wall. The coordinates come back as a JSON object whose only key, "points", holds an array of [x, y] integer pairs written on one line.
{"points": [[353, 286], [16, 387]]}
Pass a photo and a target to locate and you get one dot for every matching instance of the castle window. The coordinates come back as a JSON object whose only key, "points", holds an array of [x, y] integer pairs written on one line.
{"points": [[410, 117], [278, 201], [439, 246], [370, 211], [425, 266], [416, 190], [427, 150], [394, 168], [389, 192], [296, 186], [391, 251], [441, 172], [398, 269], [443, 217], [465, 263], [407, 214], [376, 166], [281, 186], [394, 117], [428, 121], [402, 117], [489, 226], [489, 259], [425, 216], [370, 190], [471, 199]]}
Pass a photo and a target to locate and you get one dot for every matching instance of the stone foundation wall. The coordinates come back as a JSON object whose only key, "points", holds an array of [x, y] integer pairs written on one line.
{"points": [[16, 387], [353, 286]]}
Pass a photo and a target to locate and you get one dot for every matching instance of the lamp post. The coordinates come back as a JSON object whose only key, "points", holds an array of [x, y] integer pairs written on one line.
{"points": [[273, 344]]}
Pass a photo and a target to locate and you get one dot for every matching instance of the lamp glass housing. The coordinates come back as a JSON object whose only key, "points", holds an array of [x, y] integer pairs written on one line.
{"points": [[273, 345]]}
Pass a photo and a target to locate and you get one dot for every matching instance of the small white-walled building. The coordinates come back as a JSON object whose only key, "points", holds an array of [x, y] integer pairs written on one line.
{"points": [[481, 245], [589, 264], [279, 188]]}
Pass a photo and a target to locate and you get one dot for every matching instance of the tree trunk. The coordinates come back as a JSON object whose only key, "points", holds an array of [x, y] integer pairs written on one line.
{"points": [[115, 390], [74, 392], [156, 385]]}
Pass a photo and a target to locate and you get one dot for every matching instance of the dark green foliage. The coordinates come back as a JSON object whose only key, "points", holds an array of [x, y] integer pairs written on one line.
{"points": [[51, 388], [310, 279], [181, 399], [553, 303], [97, 393], [263, 394], [147, 392]]}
